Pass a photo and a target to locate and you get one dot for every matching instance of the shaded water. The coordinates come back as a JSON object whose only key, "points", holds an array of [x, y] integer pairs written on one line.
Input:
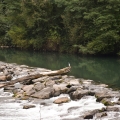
{"points": [[100, 69]]}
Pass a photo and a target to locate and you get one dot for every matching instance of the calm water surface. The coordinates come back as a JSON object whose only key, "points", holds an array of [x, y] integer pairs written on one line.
{"points": [[100, 69]]}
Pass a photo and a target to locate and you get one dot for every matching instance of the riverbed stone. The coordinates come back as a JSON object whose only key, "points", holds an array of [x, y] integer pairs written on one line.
{"points": [[41, 79], [74, 82], [15, 91], [3, 77], [107, 102], [28, 106], [49, 83], [56, 90], [72, 109], [30, 92], [72, 89], [5, 71], [61, 100], [90, 114], [112, 108], [56, 77], [39, 86], [86, 82], [63, 88], [118, 102], [101, 95], [2, 68], [18, 85], [45, 93], [78, 94], [64, 76], [9, 77], [18, 95], [27, 88], [8, 88], [100, 115]]}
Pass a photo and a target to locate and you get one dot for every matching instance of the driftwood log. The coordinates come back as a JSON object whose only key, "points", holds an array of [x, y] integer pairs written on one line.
{"points": [[31, 77]]}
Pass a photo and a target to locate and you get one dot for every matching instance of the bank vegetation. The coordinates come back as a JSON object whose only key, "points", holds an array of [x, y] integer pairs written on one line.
{"points": [[74, 26]]}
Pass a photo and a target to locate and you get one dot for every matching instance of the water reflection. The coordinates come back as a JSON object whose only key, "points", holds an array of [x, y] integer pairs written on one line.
{"points": [[105, 70]]}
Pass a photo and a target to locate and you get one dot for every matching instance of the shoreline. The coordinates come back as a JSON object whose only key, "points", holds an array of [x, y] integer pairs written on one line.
{"points": [[96, 101]]}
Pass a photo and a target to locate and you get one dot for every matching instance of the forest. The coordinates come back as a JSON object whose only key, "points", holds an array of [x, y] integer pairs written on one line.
{"points": [[72, 26]]}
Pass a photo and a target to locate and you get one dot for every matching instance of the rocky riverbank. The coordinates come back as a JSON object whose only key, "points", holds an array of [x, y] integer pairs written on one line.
{"points": [[63, 97]]}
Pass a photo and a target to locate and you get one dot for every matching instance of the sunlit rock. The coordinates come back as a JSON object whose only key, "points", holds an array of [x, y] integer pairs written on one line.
{"points": [[61, 100]]}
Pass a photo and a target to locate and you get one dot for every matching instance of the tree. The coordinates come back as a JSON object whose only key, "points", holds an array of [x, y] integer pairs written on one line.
{"points": [[83, 26], [4, 26], [102, 23]]}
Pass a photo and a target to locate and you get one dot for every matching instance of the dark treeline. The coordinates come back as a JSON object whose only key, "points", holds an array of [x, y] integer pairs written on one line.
{"points": [[81, 26]]}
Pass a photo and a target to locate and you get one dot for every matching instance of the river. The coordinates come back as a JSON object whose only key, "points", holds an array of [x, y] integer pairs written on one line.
{"points": [[100, 69]]}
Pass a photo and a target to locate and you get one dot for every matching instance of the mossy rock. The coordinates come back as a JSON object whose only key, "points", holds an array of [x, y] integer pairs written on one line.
{"points": [[107, 102]]}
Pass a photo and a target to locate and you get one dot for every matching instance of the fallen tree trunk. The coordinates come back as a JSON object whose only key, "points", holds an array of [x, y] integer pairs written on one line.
{"points": [[31, 77]]}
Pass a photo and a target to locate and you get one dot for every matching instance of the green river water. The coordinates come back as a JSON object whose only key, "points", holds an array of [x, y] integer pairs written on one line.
{"points": [[100, 69]]}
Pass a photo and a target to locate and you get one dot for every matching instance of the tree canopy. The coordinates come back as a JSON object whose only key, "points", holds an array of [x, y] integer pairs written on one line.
{"points": [[78, 26]]}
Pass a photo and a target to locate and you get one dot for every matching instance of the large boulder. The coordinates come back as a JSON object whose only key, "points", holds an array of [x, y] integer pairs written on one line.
{"points": [[45, 93], [78, 94]]}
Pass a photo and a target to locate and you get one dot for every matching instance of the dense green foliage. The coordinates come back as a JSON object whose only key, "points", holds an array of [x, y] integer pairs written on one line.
{"points": [[82, 26]]}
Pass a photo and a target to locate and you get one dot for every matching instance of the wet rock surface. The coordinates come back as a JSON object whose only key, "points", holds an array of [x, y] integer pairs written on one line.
{"points": [[48, 87], [28, 106]]}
